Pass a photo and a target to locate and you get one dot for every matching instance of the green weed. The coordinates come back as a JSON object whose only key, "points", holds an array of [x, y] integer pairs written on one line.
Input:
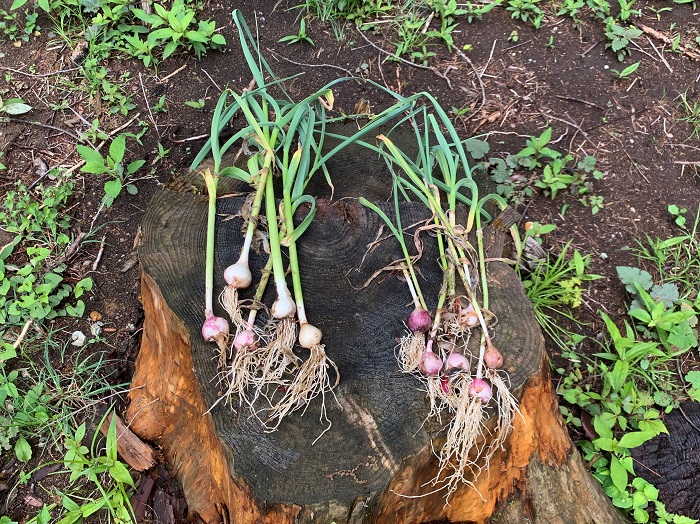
{"points": [[627, 71], [633, 379], [675, 261], [40, 399], [299, 37], [15, 29], [32, 281], [175, 28], [98, 482], [539, 166], [526, 11], [555, 287], [13, 107], [619, 38], [113, 166], [691, 108]]}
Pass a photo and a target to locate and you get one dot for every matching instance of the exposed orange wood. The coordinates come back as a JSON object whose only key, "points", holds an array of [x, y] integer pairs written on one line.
{"points": [[539, 433], [166, 407]]}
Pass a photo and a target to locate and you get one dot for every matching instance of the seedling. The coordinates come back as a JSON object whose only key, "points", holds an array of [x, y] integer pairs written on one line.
{"points": [[595, 202], [33, 286], [197, 104], [160, 107], [476, 11], [300, 37], [627, 71], [174, 26], [111, 165], [423, 55], [13, 107], [635, 383], [536, 230], [526, 10], [657, 12], [162, 152], [446, 10], [678, 213], [556, 287], [619, 38], [626, 10]]}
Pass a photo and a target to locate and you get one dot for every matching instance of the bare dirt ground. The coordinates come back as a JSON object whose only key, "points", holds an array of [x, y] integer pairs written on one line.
{"points": [[514, 89]]}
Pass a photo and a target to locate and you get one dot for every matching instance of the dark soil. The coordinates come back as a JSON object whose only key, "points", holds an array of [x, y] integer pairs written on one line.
{"points": [[632, 127]]}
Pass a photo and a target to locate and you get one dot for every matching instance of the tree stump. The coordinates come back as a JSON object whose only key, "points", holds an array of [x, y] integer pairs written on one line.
{"points": [[671, 461], [376, 462]]}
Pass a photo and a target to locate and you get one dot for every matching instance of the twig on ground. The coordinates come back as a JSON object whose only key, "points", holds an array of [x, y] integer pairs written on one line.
{"points": [[47, 126], [478, 77], [189, 139], [632, 161], [124, 126], [22, 334], [639, 48], [381, 72], [518, 45], [99, 253], [618, 118], [74, 246], [396, 57], [101, 144], [40, 75], [444, 75], [574, 125], [81, 118], [212, 81], [666, 39], [661, 56], [632, 84], [148, 106], [580, 101], [488, 62], [592, 47], [168, 77], [303, 64]]}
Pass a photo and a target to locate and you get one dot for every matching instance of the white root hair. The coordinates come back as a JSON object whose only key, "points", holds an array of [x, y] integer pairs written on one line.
{"points": [[277, 357], [459, 456], [312, 379], [410, 349]]}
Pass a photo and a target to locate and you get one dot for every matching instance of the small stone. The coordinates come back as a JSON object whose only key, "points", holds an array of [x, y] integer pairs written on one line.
{"points": [[96, 329], [78, 338]]}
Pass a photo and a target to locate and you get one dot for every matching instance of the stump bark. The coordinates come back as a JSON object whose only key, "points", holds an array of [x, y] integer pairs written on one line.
{"points": [[376, 462], [671, 461]]}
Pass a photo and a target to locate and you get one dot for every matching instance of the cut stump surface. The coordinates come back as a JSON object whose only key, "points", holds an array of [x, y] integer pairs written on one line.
{"points": [[376, 460]]}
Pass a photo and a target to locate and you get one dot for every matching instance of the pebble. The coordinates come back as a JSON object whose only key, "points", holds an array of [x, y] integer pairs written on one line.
{"points": [[78, 338]]}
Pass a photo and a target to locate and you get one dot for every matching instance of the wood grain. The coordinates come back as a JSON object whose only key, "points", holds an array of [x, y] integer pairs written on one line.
{"points": [[379, 448]]}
